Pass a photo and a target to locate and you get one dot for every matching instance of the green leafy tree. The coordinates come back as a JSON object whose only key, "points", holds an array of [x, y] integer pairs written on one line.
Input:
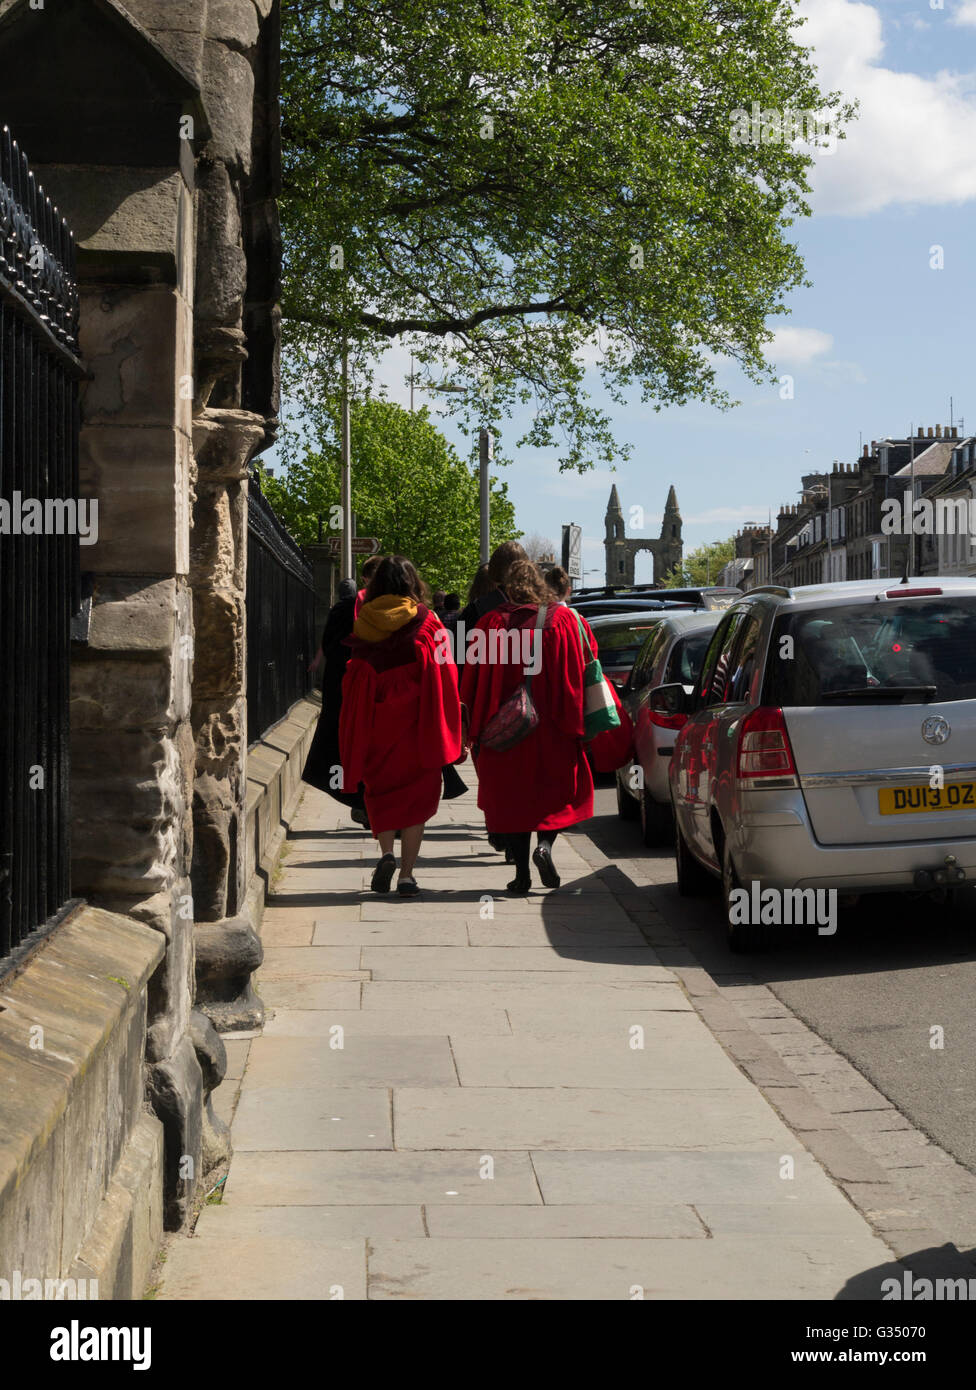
{"points": [[701, 566], [514, 188], [409, 489]]}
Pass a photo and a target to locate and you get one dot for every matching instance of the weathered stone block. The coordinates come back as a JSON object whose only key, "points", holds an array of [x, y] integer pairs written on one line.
{"points": [[129, 342], [218, 622], [132, 615], [171, 988], [233, 22], [215, 558], [176, 1095], [141, 480], [228, 93], [228, 952]]}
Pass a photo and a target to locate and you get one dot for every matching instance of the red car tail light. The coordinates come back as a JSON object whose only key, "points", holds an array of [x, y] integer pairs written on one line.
{"points": [[912, 593], [764, 749]]}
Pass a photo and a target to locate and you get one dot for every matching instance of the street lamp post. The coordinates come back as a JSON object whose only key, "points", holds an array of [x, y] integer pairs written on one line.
{"points": [[485, 453], [345, 563]]}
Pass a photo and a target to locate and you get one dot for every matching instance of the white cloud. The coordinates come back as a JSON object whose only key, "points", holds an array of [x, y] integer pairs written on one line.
{"points": [[912, 142], [798, 345], [965, 14]]}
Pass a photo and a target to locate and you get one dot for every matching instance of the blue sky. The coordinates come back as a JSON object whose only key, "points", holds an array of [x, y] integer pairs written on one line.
{"points": [[879, 342]]}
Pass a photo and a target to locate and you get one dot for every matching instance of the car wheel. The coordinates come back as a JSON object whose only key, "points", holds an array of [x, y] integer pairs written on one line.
{"points": [[693, 878], [656, 824], [743, 937], [627, 807]]}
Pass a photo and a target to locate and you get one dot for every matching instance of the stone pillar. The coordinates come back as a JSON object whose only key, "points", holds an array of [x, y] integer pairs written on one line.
{"points": [[235, 410]]}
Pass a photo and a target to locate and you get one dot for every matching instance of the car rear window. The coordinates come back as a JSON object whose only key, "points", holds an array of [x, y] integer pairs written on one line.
{"points": [[874, 653], [620, 646]]}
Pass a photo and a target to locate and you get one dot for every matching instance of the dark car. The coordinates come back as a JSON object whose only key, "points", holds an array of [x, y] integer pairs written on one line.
{"points": [[620, 638], [600, 607], [710, 596]]}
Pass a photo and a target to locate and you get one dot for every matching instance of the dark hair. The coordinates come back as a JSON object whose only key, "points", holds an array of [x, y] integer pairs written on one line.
{"points": [[558, 581], [524, 584], [480, 585], [452, 602], [503, 557], [369, 567], [439, 597], [395, 574]]}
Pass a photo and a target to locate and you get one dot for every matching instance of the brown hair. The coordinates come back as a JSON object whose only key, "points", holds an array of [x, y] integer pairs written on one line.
{"points": [[369, 567], [503, 557], [558, 581], [395, 574], [524, 584], [480, 585]]}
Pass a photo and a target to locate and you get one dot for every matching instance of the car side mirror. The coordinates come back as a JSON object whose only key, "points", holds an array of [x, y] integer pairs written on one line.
{"points": [[669, 699]]}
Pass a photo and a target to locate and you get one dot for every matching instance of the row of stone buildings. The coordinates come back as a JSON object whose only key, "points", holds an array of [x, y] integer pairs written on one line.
{"points": [[842, 526]]}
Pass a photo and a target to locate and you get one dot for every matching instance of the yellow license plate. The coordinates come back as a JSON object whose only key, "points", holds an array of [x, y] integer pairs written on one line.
{"points": [[915, 801]]}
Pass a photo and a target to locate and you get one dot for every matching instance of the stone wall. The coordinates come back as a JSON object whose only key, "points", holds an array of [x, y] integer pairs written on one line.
{"points": [[172, 203]]}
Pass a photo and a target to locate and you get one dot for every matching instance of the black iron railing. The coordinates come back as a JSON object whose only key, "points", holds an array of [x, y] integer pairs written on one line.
{"points": [[39, 568], [281, 638]]}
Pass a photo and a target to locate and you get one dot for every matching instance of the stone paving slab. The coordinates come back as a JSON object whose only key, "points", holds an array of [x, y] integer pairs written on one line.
{"points": [[564, 1223], [572, 1118], [484, 1268], [258, 1267], [381, 1178], [448, 963], [312, 1116], [581, 1178], [309, 994], [277, 1063], [405, 1023], [605, 1063], [441, 933], [233, 1220], [569, 988]]}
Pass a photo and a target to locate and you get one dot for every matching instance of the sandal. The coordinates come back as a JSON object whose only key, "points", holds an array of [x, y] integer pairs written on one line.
{"points": [[407, 887]]}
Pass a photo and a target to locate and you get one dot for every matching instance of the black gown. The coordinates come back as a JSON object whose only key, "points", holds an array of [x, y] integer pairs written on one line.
{"points": [[324, 755]]}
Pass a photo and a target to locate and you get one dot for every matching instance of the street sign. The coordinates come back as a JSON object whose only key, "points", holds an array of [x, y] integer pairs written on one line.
{"points": [[573, 551], [361, 545]]}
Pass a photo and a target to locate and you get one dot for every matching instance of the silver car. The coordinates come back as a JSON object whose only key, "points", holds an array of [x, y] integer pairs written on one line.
{"points": [[830, 744], [673, 651]]}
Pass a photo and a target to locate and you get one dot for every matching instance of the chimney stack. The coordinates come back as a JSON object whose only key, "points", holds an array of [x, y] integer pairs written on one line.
{"points": [[938, 431], [930, 435]]}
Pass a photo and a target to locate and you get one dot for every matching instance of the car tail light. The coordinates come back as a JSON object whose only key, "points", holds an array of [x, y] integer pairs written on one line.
{"points": [[912, 593], [667, 721], [764, 749]]}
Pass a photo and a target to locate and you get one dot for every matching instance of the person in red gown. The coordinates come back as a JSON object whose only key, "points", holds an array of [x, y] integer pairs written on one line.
{"points": [[401, 716], [544, 782]]}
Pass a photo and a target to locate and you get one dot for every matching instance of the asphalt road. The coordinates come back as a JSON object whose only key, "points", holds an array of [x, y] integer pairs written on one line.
{"points": [[896, 968]]}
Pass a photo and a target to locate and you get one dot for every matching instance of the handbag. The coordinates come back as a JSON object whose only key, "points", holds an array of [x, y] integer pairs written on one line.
{"points": [[599, 707], [518, 716]]}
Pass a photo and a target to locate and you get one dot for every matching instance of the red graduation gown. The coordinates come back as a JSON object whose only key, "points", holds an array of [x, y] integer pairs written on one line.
{"points": [[544, 782], [400, 722]]}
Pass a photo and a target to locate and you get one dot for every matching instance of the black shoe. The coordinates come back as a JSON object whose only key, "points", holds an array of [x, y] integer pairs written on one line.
{"points": [[520, 885], [542, 859], [360, 817], [407, 888], [383, 874]]}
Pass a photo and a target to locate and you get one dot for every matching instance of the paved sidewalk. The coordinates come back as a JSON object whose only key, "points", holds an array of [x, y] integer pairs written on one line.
{"points": [[479, 1097]]}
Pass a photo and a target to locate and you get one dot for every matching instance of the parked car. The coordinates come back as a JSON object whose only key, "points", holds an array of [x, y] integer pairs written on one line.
{"points": [[621, 638], [672, 651], [601, 607], [830, 743], [711, 596]]}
